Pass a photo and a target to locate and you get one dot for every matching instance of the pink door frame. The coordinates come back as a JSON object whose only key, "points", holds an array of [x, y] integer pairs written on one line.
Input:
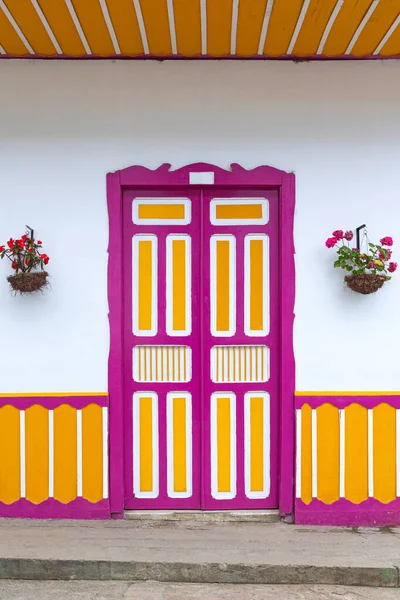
{"points": [[163, 178]]}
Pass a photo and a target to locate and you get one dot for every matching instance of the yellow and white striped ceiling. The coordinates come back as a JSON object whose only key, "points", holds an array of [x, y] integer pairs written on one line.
{"points": [[195, 28]]}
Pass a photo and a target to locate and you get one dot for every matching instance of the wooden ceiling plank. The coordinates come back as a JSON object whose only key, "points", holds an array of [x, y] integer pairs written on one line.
{"points": [[60, 21], [155, 17], [9, 39], [315, 22], [31, 26], [46, 25], [110, 26], [250, 21], [188, 27], [94, 27], [126, 27], [384, 15], [219, 25], [392, 46], [284, 17], [345, 26]]}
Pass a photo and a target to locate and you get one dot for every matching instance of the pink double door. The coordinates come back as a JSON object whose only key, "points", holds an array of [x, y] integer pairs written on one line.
{"points": [[200, 356]]}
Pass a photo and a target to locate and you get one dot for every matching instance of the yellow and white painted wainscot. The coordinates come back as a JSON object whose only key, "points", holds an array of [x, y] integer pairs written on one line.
{"points": [[351, 452], [59, 453]]}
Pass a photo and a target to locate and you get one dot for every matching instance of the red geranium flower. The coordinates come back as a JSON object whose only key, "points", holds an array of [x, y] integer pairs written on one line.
{"points": [[10, 243]]}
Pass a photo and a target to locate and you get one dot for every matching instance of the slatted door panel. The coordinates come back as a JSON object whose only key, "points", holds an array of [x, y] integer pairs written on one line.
{"points": [[240, 403], [162, 349]]}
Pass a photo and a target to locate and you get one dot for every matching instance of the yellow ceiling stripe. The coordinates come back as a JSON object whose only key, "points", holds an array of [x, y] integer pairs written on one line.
{"points": [[250, 20], [31, 26], [155, 17], [219, 23], [392, 46], [62, 26], [316, 19], [384, 15], [285, 14], [9, 38], [126, 27], [188, 27], [348, 19], [95, 29]]}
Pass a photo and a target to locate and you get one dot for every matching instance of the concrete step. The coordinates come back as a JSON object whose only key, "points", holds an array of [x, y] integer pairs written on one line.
{"points": [[198, 552], [214, 516]]}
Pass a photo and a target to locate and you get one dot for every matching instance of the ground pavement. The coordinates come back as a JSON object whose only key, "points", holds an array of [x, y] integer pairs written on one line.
{"points": [[112, 590], [198, 552]]}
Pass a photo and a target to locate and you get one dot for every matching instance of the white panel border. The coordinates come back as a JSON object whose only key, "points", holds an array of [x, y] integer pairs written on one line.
{"points": [[136, 445], [342, 452], [232, 285], [266, 291], [216, 374], [298, 452], [136, 239], [172, 201], [79, 463], [162, 374], [51, 453], [264, 493], [227, 201], [314, 461], [214, 447], [104, 415], [170, 445], [22, 457], [169, 288], [370, 453]]}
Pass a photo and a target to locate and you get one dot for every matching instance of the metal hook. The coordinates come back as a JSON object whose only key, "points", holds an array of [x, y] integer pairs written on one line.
{"points": [[358, 234], [29, 232]]}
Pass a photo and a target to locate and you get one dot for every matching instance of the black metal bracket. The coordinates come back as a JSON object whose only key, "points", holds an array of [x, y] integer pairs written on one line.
{"points": [[29, 232], [358, 235]]}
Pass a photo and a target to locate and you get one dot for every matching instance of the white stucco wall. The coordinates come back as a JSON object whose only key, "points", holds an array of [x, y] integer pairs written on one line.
{"points": [[64, 125]]}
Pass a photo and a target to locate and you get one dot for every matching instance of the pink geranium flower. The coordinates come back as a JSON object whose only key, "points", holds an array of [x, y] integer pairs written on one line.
{"points": [[330, 242], [338, 234], [386, 241], [392, 267], [349, 236]]}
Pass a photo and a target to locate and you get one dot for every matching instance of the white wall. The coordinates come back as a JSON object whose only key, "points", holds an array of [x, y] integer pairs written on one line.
{"points": [[64, 125]]}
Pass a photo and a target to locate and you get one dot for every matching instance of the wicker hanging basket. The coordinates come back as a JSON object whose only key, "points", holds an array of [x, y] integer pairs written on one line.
{"points": [[366, 283], [26, 283]]}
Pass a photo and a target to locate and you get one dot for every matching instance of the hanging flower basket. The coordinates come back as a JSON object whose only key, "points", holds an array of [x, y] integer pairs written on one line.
{"points": [[367, 271], [366, 283], [27, 263], [25, 283]]}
